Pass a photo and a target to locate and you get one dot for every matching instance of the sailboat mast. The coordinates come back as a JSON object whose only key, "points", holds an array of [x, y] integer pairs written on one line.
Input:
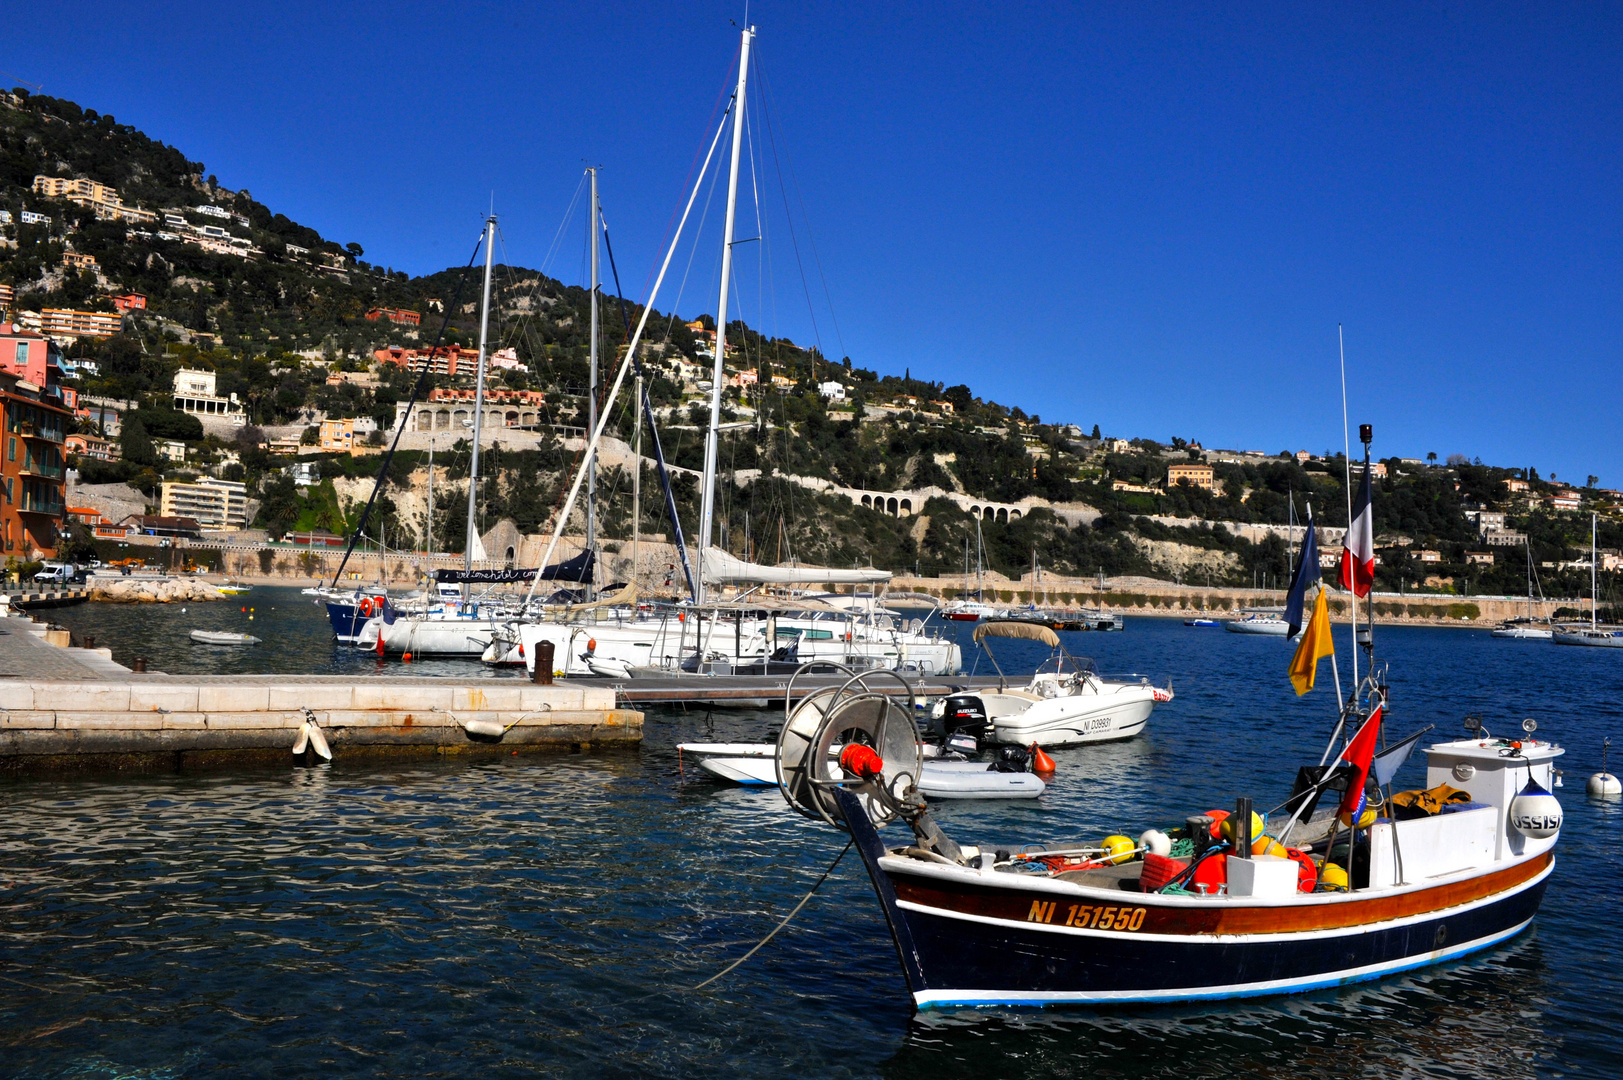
{"points": [[636, 489], [1594, 581], [429, 547], [591, 392], [478, 404], [707, 513]]}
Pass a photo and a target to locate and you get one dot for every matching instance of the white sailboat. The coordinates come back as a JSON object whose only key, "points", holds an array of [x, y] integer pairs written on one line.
{"points": [[1529, 627], [466, 627], [1595, 636]]}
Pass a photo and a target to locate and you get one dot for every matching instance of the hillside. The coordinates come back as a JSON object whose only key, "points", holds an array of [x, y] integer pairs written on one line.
{"points": [[278, 313]]}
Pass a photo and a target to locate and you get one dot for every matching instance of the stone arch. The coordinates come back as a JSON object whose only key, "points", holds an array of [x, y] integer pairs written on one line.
{"points": [[989, 514], [512, 418], [442, 419], [425, 420], [867, 501], [890, 506], [1003, 514], [459, 417], [974, 510], [510, 555], [907, 506], [1014, 515], [527, 419]]}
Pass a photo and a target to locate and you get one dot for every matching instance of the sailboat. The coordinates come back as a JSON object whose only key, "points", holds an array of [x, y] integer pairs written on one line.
{"points": [[1595, 636], [1528, 627], [709, 634], [458, 625], [962, 610]]}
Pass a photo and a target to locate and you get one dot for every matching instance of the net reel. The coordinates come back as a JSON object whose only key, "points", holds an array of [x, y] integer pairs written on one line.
{"points": [[830, 739]]}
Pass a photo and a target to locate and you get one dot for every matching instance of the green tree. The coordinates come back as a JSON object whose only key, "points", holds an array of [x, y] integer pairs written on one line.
{"points": [[135, 444]]}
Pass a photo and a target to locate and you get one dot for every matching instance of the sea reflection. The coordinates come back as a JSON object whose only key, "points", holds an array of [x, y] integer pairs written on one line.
{"points": [[1484, 1017]]}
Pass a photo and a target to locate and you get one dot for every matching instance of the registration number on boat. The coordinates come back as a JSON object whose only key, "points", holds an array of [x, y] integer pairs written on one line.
{"points": [[1089, 916]]}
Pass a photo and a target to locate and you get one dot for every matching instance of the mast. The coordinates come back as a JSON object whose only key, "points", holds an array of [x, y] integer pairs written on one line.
{"points": [[636, 489], [707, 511], [1594, 587], [591, 393], [429, 547], [472, 536]]}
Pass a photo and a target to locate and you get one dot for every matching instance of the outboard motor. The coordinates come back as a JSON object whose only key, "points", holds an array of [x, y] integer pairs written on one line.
{"points": [[964, 714], [1012, 759]]}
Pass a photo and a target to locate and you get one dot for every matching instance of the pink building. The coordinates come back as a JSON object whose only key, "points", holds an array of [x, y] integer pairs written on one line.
{"points": [[28, 355]]}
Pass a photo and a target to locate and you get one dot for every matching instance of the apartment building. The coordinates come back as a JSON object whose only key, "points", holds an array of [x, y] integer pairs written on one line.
{"points": [[67, 323], [90, 446], [102, 199], [32, 471], [213, 504], [445, 360], [76, 261]]}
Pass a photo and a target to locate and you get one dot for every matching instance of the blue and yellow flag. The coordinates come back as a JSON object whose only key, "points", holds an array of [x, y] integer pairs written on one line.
{"points": [[1315, 646], [1307, 572]]}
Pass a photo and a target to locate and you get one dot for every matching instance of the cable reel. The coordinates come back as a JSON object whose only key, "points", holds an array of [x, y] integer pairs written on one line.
{"points": [[819, 731]]}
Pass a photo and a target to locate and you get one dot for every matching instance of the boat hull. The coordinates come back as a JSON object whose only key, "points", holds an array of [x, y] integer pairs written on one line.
{"points": [[1522, 633], [1597, 640], [984, 942], [1078, 720], [1268, 628], [755, 765]]}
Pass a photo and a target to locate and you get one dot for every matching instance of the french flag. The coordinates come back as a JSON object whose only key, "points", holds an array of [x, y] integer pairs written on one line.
{"points": [[1358, 554]]}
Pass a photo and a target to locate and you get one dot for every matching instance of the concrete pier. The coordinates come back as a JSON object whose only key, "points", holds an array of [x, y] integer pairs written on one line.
{"points": [[73, 709]]}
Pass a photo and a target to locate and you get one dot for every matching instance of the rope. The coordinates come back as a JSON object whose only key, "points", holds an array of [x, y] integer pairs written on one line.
{"points": [[803, 902]]}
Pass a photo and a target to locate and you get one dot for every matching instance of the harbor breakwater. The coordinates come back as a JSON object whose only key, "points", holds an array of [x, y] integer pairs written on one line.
{"points": [[165, 590]]}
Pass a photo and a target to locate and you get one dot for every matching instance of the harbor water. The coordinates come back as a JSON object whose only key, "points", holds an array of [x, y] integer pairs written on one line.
{"points": [[550, 915]]}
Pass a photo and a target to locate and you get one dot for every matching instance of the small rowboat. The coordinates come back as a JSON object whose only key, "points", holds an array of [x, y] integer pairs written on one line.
{"points": [[223, 637]]}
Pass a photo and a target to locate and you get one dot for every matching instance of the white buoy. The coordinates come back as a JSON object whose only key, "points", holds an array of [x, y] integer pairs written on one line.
{"points": [[318, 741], [487, 728], [1156, 842], [1534, 812], [1603, 785], [303, 741]]}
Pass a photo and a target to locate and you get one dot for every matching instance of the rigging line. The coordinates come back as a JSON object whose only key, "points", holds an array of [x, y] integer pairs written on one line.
{"points": [[805, 287], [725, 94], [704, 215], [811, 239], [417, 388], [795, 911], [546, 263]]}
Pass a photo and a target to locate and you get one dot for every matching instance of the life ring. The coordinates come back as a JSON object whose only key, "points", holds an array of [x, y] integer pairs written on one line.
{"points": [[366, 607]]}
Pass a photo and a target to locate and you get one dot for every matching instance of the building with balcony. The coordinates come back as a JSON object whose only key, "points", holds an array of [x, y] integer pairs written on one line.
{"points": [[29, 355], [158, 525], [213, 504], [1479, 558], [129, 302], [1504, 538], [102, 199], [77, 261], [32, 469], [195, 394], [343, 436], [66, 323], [89, 446], [446, 360]]}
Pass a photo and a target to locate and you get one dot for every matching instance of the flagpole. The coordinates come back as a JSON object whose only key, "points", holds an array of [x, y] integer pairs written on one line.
{"points": [[1346, 460]]}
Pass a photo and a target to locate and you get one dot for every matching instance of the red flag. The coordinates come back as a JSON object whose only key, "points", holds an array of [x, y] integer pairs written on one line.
{"points": [[1359, 753], [1358, 552]]}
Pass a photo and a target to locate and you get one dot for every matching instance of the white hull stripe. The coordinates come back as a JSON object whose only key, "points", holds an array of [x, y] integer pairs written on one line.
{"points": [[1231, 939], [1205, 993]]}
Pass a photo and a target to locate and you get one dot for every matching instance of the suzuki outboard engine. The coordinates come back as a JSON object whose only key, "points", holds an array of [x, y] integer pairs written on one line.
{"points": [[964, 714]]}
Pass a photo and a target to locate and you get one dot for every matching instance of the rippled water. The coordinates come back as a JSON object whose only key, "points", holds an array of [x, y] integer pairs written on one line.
{"points": [[539, 915]]}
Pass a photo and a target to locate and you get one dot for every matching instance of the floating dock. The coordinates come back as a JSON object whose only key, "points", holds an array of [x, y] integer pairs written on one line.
{"points": [[28, 600]]}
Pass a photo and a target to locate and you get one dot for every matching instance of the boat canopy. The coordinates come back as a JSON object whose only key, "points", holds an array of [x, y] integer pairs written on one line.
{"points": [[1029, 631], [722, 568], [577, 569]]}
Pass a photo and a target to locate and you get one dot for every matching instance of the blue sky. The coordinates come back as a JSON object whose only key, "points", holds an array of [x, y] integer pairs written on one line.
{"points": [[1149, 217]]}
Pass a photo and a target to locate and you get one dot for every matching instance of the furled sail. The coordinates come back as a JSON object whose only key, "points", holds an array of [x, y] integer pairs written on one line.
{"points": [[577, 569], [721, 568]]}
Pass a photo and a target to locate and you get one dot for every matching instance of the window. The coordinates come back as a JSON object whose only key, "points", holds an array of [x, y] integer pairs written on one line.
{"points": [[11, 451], [22, 354]]}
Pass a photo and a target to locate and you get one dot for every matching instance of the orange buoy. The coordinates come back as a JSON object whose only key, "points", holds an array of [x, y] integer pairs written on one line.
{"points": [[591, 644], [1218, 817], [406, 658], [1212, 872], [1307, 874], [1041, 763]]}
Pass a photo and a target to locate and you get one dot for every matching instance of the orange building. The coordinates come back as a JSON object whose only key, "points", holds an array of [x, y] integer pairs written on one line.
{"points": [[28, 355], [1197, 474], [446, 360], [394, 315], [32, 470]]}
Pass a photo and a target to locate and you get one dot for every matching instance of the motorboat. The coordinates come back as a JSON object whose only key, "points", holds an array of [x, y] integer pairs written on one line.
{"points": [[233, 588], [1523, 630], [1202, 622], [755, 765], [1197, 912], [223, 637], [1259, 622], [968, 611], [1066, 703]]}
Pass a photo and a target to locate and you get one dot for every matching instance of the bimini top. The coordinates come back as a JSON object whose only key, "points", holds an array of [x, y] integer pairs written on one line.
{"points": [[1029, 631]]}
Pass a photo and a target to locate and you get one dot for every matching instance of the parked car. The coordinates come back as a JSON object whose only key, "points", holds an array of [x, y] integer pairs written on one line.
{"points": [[57, 574]]}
